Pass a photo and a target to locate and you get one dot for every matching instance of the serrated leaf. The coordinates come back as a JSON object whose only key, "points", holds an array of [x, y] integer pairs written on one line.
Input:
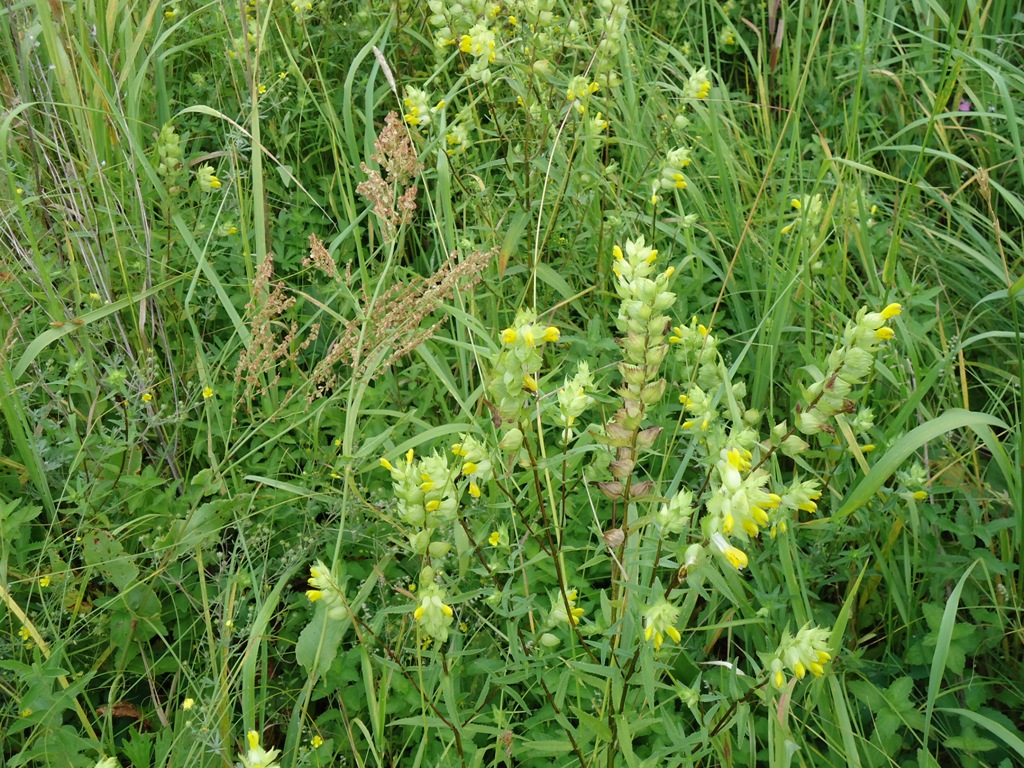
{"points": [[598, 728], [105, 553]]}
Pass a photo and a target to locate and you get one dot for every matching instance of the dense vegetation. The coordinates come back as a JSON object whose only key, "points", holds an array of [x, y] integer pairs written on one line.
{"points": [[511, 383]]}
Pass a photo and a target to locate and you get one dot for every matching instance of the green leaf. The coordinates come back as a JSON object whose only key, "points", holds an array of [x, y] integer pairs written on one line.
{"points": [[318, 643], [45, 339], [593, 725], [1009, 738], [102, 551], [545, 747], [905, 447], [942, 649], [969, 744]]}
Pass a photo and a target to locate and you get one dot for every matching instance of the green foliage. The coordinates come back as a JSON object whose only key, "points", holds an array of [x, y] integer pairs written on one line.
{"points": [[629, 498]]}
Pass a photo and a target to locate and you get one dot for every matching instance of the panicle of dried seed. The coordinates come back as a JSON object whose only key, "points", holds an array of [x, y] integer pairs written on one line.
{"points": [[265, 350], [391, 328], [394, 201], [395, 152], [319, 258]]}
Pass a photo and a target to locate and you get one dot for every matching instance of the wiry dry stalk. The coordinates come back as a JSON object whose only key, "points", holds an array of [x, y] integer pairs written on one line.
{"points": [[265, 352], [392, 204], [388, 329]]}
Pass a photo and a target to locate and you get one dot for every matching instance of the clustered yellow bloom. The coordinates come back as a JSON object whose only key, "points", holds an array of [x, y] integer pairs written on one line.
{"points": [[302, 8], [848, 365], [457, 138], [913, 481], [427, 498], [698, 86], [432, 614], [573, 399], [740, 502], [671, 175], [800, 496], [418, 110], [806, 652], [513, 380], [206, 178], [564, 610], [476, 463], [256, 756], [660, 620], [326, 589], [579, 92], [811, 211]]}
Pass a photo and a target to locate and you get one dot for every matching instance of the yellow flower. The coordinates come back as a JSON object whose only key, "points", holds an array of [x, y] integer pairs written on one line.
{"points": [[885, 333], [559, 614], [147, 397], [207, 179], [188, 703], [659, 621], [891, 311], [44, 581], [261, 89], [920, 495], [737, 557], [207, 393], [316, 742], [257, 757], [24, 634]]}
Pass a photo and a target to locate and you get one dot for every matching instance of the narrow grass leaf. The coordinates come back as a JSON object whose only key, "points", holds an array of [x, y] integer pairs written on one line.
{"points": [[905, 447]]}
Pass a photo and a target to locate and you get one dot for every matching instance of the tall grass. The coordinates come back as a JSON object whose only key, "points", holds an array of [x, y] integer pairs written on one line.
{"points": [[161, 503]]}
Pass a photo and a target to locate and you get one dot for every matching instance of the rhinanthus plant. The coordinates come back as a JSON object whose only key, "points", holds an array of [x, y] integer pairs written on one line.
{"points": [[499, 383], [679, 523]]}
